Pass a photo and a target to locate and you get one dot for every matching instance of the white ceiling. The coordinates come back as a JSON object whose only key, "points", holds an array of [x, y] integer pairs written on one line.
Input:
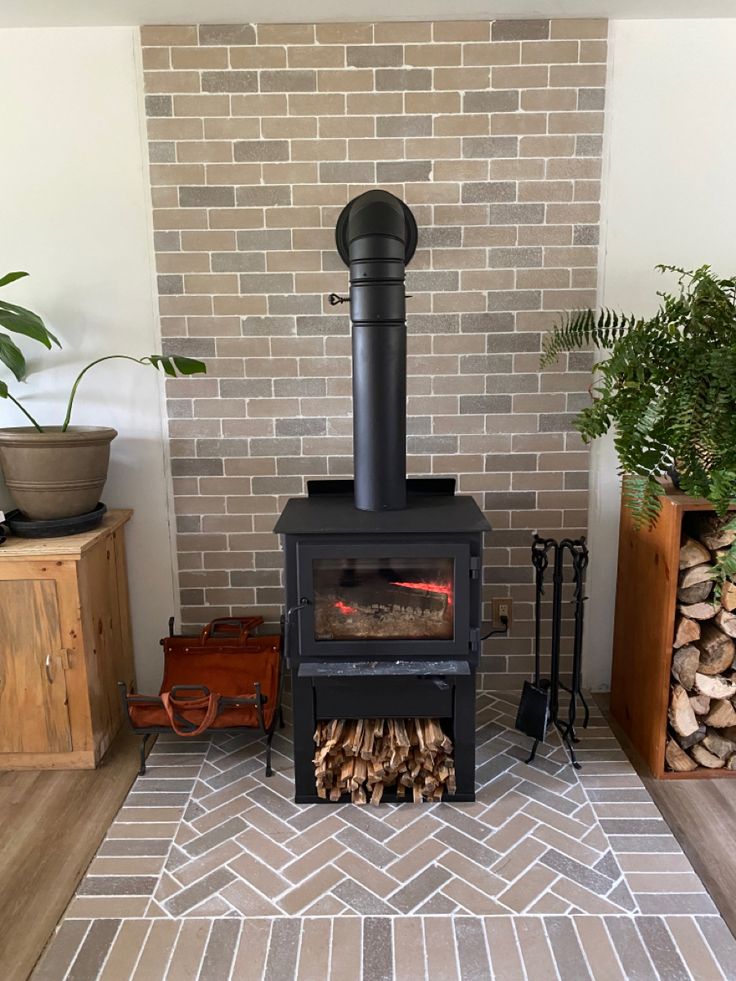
{"points": [[76, 13]]}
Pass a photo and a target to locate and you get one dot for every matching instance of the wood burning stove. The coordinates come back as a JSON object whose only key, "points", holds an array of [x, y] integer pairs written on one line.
{"points": [[383, 574]]}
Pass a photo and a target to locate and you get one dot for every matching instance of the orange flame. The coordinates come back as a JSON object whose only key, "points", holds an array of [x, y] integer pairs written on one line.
{"points": [[345, 609], [429, 587]]}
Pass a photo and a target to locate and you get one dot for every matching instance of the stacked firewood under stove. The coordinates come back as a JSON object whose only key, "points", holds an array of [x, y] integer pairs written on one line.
{"points": [[363, 757], [702, 717]]}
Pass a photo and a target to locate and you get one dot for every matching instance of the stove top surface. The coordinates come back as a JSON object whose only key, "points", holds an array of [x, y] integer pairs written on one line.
{"points": [[430, 509]]}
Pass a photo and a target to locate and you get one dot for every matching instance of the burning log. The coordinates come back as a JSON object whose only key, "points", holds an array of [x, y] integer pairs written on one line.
{"points": [[365, 756]]}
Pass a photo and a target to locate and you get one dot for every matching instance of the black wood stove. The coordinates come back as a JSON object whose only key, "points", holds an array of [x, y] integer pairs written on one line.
{"points": [[383, 574]]}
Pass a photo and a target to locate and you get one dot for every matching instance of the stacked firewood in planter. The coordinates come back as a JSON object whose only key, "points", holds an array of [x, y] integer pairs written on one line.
{"points": [[702, 717], [362, 757]]}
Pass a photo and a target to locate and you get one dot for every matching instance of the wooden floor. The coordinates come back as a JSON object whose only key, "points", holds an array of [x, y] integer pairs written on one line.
{"points": [[51, 825], [702, 816]]}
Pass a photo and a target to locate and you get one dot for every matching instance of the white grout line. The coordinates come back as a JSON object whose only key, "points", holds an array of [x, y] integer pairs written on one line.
{"points": [[173, 949], [142, 948], [76, 950]]}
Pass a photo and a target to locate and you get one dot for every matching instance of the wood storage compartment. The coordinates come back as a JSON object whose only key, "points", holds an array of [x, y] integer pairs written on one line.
{"points": [[410, 758], [673, 675]]}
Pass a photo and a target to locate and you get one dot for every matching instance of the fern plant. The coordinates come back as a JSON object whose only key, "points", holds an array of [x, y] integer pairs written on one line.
{"points": [[667, 389]]}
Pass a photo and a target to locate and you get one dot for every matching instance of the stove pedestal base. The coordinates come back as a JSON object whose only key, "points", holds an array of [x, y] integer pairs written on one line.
{"points": [[392, 690]]}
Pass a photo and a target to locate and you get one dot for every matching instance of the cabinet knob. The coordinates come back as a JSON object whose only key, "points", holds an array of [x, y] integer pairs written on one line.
{"points": [[47, 666]]}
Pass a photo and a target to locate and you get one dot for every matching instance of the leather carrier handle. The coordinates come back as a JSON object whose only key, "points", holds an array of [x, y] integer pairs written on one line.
{"points": [[173, 702], [229, 627]]}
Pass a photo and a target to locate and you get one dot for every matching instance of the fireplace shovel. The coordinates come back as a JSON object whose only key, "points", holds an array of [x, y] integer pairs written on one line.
{"points": [[532, 717]]}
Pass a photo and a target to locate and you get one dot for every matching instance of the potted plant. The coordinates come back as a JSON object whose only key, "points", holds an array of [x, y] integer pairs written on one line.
{"points": [[667, 389], [57, 471]]}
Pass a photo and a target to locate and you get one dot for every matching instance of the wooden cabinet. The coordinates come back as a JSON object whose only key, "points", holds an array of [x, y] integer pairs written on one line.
{"points": [[646, 602], [65, 642]]}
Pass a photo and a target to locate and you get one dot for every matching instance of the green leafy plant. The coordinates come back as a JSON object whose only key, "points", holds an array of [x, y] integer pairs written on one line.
{"points": [[25, 322], [667, 389]]}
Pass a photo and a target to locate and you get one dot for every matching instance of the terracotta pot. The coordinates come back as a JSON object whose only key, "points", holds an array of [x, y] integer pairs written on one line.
{"points": [[55, 474]]}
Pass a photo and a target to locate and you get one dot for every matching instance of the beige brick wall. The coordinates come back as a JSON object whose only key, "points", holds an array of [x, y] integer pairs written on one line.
{"points": [[258, 136]]}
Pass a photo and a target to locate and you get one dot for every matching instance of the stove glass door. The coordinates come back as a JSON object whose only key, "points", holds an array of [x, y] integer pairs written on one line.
{"points": [[384, 598]]}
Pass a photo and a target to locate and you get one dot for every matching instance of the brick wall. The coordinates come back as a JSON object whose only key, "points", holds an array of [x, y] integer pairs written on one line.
{"points": [[258, 136]]}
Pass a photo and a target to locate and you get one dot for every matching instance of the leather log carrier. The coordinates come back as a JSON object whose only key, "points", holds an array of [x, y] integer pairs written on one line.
{"points": [[224, 679]]}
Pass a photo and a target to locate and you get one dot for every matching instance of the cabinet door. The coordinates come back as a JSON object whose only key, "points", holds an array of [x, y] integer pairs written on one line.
{"points": [[33, 702]]}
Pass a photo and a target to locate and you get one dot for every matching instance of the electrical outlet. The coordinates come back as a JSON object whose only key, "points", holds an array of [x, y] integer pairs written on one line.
{"points": [[501, 607]]}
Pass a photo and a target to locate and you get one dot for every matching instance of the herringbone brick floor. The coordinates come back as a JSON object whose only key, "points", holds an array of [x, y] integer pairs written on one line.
{"points": [[210, 871]]}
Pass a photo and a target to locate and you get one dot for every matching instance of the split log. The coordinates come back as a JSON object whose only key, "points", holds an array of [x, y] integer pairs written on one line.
{"points": [[696, 593], [697, 574], [715, 686], [685, 665], [709, 529], [695, 737], [365, 756], [700, 704], [728, 595], [726, 622], [701, 755], [721, 714], [731, 762], [699, 611], [686, 631], [693, 552], [716, 650], [682, 717], [677, 759], [717, 744]]}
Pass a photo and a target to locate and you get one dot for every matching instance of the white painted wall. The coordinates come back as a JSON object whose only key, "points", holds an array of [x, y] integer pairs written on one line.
{"points": [[669, 197], [75, 213]]}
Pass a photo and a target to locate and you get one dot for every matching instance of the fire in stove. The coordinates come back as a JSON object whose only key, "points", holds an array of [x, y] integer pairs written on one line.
{"points": [[394, 609], [345, 609], [429, 587]]}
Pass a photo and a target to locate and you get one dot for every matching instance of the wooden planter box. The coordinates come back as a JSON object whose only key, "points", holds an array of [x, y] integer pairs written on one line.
{"points": [[646, 603]]}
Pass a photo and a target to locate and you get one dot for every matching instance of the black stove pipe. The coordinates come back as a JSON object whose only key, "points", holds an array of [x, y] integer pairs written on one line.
{"points": [[376, 236]]}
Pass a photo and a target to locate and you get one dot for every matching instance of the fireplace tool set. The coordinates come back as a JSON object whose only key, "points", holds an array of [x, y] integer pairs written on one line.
{"points": [[539, 707]]}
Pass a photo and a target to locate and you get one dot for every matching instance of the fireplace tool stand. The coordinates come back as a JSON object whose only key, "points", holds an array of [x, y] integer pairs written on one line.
{"points": [[548, 690]]}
